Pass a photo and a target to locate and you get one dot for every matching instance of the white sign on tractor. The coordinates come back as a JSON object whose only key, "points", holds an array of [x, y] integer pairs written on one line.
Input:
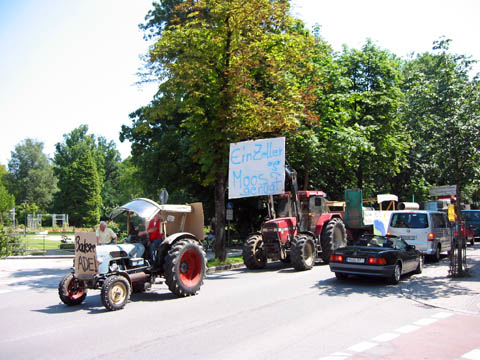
{"points": [[256, 168]]}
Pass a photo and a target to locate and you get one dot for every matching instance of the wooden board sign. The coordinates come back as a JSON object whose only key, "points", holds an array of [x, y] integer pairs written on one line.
{"points": [[85, 254]]}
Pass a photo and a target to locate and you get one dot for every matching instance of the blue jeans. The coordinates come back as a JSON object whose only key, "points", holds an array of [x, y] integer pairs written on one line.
{"points": [[153, 249]]}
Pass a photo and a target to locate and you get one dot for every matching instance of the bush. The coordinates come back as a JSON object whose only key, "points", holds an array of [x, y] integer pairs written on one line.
{"points": [[10, 244], [67, 246]]}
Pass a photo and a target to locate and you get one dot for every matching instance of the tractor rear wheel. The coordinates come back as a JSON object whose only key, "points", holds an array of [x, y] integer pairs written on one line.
{"points": [[334, 236], [185, 267], [303, 253], [253, 253]]}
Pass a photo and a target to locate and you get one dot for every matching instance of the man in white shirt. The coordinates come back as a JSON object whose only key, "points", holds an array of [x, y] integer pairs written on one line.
{"points": [[105, 235]]}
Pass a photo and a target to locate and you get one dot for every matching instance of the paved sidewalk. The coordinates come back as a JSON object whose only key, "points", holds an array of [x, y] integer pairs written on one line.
{"points": [[434, 288]]}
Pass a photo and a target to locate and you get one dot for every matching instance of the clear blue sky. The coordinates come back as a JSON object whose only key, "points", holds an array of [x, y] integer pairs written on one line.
{"points": [[67, 62]]}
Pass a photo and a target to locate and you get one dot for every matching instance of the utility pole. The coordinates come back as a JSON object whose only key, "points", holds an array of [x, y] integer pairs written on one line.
{"points": [[458, 210]]}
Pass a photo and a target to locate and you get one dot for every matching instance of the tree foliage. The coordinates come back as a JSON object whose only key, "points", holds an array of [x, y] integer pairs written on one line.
{"points": [[443, 117], [232, 71], [31, 176], [107, 164], [84, 193]]}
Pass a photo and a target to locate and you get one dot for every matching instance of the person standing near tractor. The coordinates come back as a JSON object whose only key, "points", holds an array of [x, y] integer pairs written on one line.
{"points": [[105, 235]]}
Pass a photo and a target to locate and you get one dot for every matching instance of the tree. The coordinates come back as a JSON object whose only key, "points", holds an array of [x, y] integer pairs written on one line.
{"points": [[107, 163], [444, 112], [7, 202], [365, 136], [235, 70], [84, 194], [31, 175]]}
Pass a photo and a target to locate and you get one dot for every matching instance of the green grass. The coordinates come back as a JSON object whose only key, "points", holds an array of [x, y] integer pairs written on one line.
{"points": [[230, 260], [36, 242]]}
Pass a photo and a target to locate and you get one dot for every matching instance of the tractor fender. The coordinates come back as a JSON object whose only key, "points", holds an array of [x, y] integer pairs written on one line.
{"points": [[122, 273], [324, 219], [181, 235]]}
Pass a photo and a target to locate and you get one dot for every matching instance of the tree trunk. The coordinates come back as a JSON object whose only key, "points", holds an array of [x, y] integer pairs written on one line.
{"points": [[220, 245]]}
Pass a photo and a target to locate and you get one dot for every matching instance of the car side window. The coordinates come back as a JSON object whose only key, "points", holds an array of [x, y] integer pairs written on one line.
{"points": [[439, 221], [400, 244]]}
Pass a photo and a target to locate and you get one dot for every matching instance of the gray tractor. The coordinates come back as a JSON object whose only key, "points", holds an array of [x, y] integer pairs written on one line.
{"points": [[119, 270]]}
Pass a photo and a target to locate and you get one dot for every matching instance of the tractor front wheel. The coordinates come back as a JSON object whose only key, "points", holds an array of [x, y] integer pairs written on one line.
{"points": [[71, 290], [115, 292], [253, 253]]}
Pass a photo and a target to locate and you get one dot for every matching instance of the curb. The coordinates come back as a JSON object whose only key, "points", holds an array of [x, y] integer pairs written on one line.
{"points": [[37, 257], [210, 270], [220, 268]]}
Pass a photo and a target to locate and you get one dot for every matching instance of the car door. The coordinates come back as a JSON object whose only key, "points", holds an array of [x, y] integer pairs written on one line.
{"points": [[407, 254]]}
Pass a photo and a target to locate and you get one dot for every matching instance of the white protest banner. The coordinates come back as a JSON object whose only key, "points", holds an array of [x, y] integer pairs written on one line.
{"points": [[85, 254], [256, 168]]}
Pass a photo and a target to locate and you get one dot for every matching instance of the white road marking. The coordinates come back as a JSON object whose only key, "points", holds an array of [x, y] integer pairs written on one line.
{"points": [[425, 322], [442, 315], [337, 356], [407, 329], [386, 337], [360, 347], [472, 355]]}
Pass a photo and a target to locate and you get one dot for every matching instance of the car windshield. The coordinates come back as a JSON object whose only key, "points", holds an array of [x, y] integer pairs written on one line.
{"points": [[472, 215], [374, 240], [409, 220]]}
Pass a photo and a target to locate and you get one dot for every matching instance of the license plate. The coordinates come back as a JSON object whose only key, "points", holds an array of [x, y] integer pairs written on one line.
{"points": [[355, 260], [408, 237]]}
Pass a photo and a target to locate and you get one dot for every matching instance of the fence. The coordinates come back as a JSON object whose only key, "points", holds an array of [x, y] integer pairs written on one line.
{"points": [[39, 244]]}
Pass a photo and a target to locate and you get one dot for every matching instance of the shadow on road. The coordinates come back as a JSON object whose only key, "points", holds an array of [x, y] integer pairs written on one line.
{"points": [[375, 287], [93, 303], [434, 283], [40, 279]]}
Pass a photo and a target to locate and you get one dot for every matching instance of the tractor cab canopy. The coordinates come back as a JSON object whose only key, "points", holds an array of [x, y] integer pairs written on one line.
{"points": [[147, 208], [180, 218]]}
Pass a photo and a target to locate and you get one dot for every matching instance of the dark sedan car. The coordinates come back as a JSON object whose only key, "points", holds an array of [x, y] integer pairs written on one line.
{"points": [[374, 255]]}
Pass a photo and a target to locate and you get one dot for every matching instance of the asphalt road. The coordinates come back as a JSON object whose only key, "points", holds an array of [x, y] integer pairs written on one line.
{"points": [[276, 313]]}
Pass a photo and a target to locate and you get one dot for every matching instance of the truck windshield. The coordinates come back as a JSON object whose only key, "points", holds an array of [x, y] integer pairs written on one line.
{"points": [[409, 220]]}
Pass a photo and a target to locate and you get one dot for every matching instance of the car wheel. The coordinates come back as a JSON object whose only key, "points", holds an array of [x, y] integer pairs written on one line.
{"points": [[419, 268], [436, 256], [397, 273], [341, 276], [115, 292], [71, 290]]}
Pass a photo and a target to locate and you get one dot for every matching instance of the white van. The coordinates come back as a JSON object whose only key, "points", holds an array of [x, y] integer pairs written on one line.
{"points": [[429, 231]]}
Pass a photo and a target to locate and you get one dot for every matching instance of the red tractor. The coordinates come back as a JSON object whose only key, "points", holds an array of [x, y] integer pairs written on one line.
{"points": [[300, 230]]}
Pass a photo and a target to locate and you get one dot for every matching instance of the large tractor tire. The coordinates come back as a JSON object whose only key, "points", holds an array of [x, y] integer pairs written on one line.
{"points": [[71, 290], [303, 253], [334, 236], [254, 256], [185, 267], [115, 292]]}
